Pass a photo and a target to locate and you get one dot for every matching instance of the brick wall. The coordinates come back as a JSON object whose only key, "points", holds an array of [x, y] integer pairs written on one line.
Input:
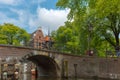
{"points": [[70, 65]]}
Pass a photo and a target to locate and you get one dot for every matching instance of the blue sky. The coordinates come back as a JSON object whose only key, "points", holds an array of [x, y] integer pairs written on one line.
{"points": [[31, 14]]}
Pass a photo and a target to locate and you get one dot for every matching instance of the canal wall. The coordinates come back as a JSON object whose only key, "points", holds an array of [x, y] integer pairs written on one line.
{"points": [[91, 67], [86, 67], [56, 64]]}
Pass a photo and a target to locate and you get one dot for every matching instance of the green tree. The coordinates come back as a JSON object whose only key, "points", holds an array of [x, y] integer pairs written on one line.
{"points": [[66, 39], [108, 16], [79, 14], [13, 35], [100, 15]]}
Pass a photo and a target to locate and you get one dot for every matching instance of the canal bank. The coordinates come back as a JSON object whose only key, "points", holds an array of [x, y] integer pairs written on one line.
{"points": [[85, 67], [18, 60]]}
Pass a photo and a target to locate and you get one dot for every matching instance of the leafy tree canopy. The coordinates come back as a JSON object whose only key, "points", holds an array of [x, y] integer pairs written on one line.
{"points": [[66, 39], [95, 19], [13, 35]]}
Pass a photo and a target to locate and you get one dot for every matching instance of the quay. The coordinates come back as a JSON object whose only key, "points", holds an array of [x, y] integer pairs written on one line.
{"points": [[15, 61]]}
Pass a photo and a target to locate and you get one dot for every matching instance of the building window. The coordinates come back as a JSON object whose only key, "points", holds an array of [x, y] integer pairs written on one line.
{"points": [[39, 44], [39, 37]]}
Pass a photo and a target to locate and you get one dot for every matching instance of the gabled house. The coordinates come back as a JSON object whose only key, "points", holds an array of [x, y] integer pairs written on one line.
{"points": [[39, 41]]}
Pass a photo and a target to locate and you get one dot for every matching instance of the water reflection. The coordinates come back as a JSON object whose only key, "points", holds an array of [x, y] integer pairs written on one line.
{"points": [[61, 79], [25, 77], [32, 77], [65, 79], [94, 78]]}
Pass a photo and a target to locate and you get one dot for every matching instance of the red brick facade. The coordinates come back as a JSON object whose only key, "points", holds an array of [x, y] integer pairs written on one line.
{"points": [[38, 40]]}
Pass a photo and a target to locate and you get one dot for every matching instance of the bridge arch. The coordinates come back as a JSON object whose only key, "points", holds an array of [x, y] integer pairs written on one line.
{"points": [[46, 66]]}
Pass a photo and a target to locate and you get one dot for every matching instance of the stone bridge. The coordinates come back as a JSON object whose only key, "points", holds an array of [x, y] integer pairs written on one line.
{"points": [[49, 63], [56, 64]]}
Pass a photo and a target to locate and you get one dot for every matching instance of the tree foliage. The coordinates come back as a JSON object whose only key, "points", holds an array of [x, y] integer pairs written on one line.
{"points": [[66, 39], [97, 23], [109, 21], [13, 35]]}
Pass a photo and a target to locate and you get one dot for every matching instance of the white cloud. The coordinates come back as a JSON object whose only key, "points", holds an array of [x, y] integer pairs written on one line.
{"points": [[49, 19], [19, 2], [6, 19], [20, 21], [37, 1], [10, 2], [25, 17]]}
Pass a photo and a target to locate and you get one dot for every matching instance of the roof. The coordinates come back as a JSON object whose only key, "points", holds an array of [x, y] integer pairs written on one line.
{"points": [[47, 38]]}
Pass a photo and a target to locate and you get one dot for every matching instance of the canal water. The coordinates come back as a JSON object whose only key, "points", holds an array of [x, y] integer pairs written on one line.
{"points": [[68, 79], [31, 77], [48, 78], [64, 79]]}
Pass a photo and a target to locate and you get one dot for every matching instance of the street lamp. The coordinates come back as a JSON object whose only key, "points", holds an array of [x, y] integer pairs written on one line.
{"points": [[90, 28]]}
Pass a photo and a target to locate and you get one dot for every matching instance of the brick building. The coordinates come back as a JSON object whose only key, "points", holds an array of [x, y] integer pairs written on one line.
{"points": [[39, 41]]}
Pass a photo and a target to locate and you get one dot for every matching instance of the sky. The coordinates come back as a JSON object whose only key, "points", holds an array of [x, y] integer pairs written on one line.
{"points": [[31, 14]]}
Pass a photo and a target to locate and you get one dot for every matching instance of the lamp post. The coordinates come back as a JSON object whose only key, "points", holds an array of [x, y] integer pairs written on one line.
{"points": [[90, 28]]}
